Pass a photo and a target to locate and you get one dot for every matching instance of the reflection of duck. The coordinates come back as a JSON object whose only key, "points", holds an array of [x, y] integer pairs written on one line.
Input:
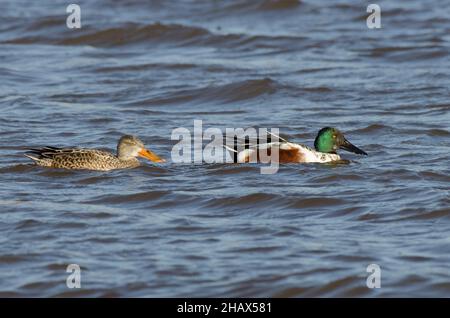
{"points": [[327, 142], [128, 148]]}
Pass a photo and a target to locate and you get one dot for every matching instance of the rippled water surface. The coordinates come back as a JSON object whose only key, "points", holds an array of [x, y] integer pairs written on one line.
{"points": [[147, 67]]}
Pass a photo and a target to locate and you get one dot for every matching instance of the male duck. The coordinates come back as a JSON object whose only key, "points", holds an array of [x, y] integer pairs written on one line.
{"points": [[327, 142]]}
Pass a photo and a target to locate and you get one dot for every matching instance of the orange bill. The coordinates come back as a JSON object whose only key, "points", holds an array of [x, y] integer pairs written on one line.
{"points": [[145, 153]]}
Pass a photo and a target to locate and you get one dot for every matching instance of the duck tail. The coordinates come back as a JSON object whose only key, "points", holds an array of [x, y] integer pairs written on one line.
{"points": [[31, 157], [42, 156], [230, 149], [276, 136], [44, 152]]}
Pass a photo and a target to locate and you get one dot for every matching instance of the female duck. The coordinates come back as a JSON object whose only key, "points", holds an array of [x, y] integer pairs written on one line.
{"points": [[128, 148]]}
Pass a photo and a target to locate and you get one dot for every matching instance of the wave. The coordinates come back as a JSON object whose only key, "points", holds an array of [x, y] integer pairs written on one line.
{"points": [[373, 128], [152, 34], [279, 4], [127, 198], [407, 53], [135, 33], [429, 215], [251, 200], [228, 93]]}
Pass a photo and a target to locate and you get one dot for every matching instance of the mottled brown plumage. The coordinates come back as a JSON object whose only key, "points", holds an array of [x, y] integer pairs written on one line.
{"points": [[128, 148]]}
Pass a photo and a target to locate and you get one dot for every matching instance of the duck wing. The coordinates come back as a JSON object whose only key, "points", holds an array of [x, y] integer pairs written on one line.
{"points": [[72, 158], [288, 152], [246, 145]]}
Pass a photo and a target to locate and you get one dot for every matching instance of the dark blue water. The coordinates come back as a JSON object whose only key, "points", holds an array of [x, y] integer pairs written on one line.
{"points": [[146, 68]]}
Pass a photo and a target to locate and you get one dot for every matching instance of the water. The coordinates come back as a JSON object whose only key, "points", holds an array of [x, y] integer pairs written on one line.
{"points": [[146, 68]]}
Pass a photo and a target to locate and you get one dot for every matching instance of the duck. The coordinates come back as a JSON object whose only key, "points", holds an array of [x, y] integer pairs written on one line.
{"points": [[326, 144], [128, 149]]}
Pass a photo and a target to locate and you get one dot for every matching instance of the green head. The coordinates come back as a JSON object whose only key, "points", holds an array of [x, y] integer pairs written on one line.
{"points": [[330, 139]]}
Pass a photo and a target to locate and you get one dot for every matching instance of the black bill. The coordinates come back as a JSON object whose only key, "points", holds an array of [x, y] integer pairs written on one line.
{"points": [[347, 145]]}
